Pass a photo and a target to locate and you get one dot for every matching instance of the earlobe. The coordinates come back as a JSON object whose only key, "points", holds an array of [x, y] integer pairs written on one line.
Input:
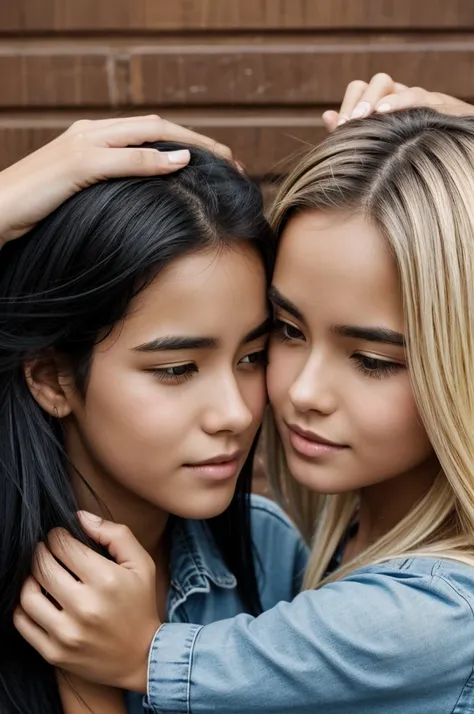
{"points": [[50, 384]]}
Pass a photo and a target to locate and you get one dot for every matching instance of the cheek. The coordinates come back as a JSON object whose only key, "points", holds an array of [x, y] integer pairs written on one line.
{"points": [[122, 399], [129, 418], [388, 422]]}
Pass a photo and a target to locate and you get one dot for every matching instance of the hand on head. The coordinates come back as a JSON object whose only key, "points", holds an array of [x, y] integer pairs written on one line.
{"points": [[382, 94], [88, 152]]}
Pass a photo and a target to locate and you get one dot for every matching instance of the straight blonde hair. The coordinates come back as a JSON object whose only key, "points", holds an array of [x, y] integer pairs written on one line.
{"points": [[412, 175]]}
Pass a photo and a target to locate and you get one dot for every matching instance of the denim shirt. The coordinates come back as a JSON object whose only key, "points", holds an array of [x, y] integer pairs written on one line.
{"points": [[202, 588], [393, 638]]}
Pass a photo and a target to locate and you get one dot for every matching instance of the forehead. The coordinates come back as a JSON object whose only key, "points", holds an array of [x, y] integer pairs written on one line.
{"points": [[216, 294], [341, 265]]}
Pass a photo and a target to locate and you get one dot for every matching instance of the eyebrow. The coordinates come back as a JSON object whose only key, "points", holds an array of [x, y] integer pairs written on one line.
{"points": [[382, 335], [277, 298], [372, 334], [178, 342]]}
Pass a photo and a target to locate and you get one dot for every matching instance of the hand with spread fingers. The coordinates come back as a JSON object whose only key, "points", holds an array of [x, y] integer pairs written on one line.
{"points": [[88, 615], [88, 152], [382, 94]]}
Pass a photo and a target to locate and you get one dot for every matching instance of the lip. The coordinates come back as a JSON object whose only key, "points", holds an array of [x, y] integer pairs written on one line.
{"points": [[218, 468], [220, 459], [312, 445], [312, 436]]}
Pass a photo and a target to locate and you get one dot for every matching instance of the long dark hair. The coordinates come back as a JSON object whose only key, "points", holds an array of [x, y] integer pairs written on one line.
{"points": [[72, 277]]}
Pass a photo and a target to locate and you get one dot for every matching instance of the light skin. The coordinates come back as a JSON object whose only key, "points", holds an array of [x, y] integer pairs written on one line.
{"points": [[337, 370], [381, 94], [79, 696], [176, 384], [179, 382]]}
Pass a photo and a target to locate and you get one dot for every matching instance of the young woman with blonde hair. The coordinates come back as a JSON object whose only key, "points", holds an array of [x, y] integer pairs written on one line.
{"points": [[371, 382]]}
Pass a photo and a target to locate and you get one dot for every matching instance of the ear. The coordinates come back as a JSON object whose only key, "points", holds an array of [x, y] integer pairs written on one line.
{"points": [[51, 382]]}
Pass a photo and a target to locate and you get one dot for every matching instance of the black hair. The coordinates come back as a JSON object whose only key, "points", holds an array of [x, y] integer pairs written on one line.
{"points": [[72, 277]]}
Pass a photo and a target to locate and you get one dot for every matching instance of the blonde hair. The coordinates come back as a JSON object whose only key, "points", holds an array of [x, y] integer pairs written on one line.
{"points": [[412, 175]]}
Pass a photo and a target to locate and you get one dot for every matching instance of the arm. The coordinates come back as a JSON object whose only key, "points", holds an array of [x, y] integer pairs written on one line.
{"points": [[352, 646], [395, 632], [81, 697], [383, 94]]}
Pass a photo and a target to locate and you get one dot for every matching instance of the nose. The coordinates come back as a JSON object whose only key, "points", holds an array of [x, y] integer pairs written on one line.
{"points": [[313, 388], [227, 409]]}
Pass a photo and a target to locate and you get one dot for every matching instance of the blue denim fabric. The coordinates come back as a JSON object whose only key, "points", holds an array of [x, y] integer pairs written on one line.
{"points": [[395, 638], [202, 588]]}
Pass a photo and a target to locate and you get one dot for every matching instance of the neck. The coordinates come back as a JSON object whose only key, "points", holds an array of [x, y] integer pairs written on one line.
{"points": [[384, 505], [112, 501]]}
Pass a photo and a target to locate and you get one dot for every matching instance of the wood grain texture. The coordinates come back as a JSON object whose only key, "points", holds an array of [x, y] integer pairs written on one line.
{"points": [[209, 74], [232, 15], [301, 73]]}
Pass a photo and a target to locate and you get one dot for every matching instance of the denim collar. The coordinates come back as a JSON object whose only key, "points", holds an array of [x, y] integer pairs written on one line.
{"points": [[195, 563]]}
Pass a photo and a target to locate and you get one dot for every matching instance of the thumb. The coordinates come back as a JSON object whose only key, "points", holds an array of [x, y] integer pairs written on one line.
{"points": [[117, 539]]}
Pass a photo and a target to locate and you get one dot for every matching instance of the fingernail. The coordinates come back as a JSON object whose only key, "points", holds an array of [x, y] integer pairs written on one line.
{"points": [[342, 121], [383, 108], [361, 110], [182, 156], [240, 167], [91, 517]]}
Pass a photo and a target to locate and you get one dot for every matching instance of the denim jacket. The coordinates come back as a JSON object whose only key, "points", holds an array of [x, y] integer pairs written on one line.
{"points": [[395, 638], [202, 588]]}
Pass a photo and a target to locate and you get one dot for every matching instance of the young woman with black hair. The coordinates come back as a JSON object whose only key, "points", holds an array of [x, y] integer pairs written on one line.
{"points": [[134, 322]]}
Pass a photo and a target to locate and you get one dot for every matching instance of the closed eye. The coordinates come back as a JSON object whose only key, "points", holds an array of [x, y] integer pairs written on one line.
{"points": [[175, 374], [375, 367]]}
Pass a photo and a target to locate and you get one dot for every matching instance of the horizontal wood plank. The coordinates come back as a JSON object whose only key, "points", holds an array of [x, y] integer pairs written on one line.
{"points": [[210, 74], [301, 74], [231, 15]]}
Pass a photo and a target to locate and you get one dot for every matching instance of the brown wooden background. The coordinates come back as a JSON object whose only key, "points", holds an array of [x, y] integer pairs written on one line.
{"points": [[255, 74]]}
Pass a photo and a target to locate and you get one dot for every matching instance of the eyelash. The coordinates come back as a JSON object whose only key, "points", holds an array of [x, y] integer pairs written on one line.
{"points": [[280, 330], [380, 368], [163, 374]]}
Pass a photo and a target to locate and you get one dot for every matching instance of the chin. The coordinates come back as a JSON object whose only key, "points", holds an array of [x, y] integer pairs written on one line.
{"points": [[319, 479], [203, 506]]}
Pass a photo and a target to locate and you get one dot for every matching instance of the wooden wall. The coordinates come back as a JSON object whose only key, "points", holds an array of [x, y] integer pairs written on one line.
{"points": [[255, 74]]}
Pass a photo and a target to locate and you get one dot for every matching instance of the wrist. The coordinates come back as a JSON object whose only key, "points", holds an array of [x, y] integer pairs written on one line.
{"points": [[137, 679]]}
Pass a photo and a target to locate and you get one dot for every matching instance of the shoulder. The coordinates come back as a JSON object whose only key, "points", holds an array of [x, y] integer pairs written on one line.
{"points": [[425, 574], [418, 575], [280, 553], [418, 601]]}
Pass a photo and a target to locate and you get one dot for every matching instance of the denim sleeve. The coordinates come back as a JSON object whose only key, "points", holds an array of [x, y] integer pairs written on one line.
{"points": [[368, 643]]}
